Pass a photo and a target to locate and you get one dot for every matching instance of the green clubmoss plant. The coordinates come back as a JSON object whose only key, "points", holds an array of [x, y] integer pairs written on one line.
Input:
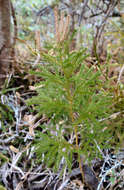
{"points": [[73, 98]]}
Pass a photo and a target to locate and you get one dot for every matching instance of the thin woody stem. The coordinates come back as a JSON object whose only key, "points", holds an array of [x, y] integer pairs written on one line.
{"points": [[75, 132]]}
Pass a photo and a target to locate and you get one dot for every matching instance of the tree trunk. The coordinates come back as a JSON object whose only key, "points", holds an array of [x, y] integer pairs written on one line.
{"points": [[5, 39]]}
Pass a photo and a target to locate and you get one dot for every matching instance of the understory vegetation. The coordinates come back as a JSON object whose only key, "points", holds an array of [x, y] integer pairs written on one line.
{"points": [[62, 104]]}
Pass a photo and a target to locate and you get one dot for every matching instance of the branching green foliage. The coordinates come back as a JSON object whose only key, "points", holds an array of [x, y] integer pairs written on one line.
{"points": [[3, 159], [116, 121], [6, 114], [2, 188], [54, 147], [72, 96]]}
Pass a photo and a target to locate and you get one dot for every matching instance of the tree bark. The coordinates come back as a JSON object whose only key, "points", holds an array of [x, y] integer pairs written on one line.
{"points": [[5, 39]]}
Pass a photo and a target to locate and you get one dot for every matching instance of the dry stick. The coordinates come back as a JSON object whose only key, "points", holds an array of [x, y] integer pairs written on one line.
{"points": [[31, 173], [109, 11], [83, 11], [15, 28], [8, 140], [61, 25], [74, 172], [99, 29], [66, 28], [37, 39], [20, 184], [37, 60], [108, 172], [120, 74], [56, 24]]}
